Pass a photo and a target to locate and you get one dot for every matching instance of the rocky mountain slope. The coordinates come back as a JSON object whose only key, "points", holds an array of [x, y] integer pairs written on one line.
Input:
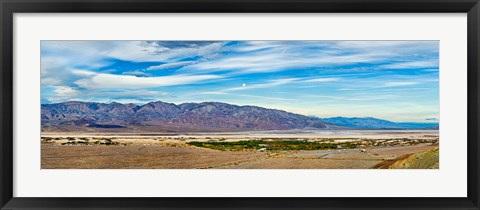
{"points": [[161, 116]]}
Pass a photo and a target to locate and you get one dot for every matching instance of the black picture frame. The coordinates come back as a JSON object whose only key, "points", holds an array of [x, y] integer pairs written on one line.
{"points": [[9, 7]]}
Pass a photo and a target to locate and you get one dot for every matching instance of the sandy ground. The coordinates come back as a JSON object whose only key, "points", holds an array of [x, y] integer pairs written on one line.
{"points": [[138, 157], [333, 159], [174, 153]]}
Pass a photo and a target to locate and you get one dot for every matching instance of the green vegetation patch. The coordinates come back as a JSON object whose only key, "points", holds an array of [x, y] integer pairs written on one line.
{"points": [[271, 145]]}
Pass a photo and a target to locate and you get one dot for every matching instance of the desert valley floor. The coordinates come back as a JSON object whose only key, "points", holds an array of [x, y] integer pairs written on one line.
{"points": [[342, 149]]}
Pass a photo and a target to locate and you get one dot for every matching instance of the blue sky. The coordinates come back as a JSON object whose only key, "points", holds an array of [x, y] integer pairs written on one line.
{"points": [[393, 80]]}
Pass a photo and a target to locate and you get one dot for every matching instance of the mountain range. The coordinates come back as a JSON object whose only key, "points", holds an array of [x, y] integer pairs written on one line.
{"points": [[161, 116], [188, 117], [375, 123]]}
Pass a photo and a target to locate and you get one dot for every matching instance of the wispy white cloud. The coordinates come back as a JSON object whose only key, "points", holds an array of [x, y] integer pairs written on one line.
{"points": [[323, 80], [80, 72], [136, 73], [64, 91], [398, 84], [153, 51], [122, 95], [61, 93], [245, 63], [51, 81], [98, 52], [258, 45], [268, 57], [170, 65], [411, 64], [110, 81]]}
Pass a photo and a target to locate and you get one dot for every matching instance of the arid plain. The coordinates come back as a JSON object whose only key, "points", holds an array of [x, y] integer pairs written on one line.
{"points": [[301, 149]]}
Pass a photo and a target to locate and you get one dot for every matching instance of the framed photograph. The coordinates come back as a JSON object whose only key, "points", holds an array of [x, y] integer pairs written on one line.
{"points": [[239, 105]]}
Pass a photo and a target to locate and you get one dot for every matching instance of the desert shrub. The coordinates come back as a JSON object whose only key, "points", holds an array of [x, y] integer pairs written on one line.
{"points": [[287, 144], [70, 143], [109, 142]]}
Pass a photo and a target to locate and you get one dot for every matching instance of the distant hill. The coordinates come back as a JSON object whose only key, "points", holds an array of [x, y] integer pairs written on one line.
{"points": [[375, 123], [422, 160], [161, 116]]}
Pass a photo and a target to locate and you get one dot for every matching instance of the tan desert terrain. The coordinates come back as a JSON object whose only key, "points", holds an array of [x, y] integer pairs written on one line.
{"points": [[173, 151]]}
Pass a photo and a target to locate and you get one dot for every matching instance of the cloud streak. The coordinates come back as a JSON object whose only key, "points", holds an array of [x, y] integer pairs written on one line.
{"points": [[170, 65], [279, 56], [111, 81], [412, 64]]}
